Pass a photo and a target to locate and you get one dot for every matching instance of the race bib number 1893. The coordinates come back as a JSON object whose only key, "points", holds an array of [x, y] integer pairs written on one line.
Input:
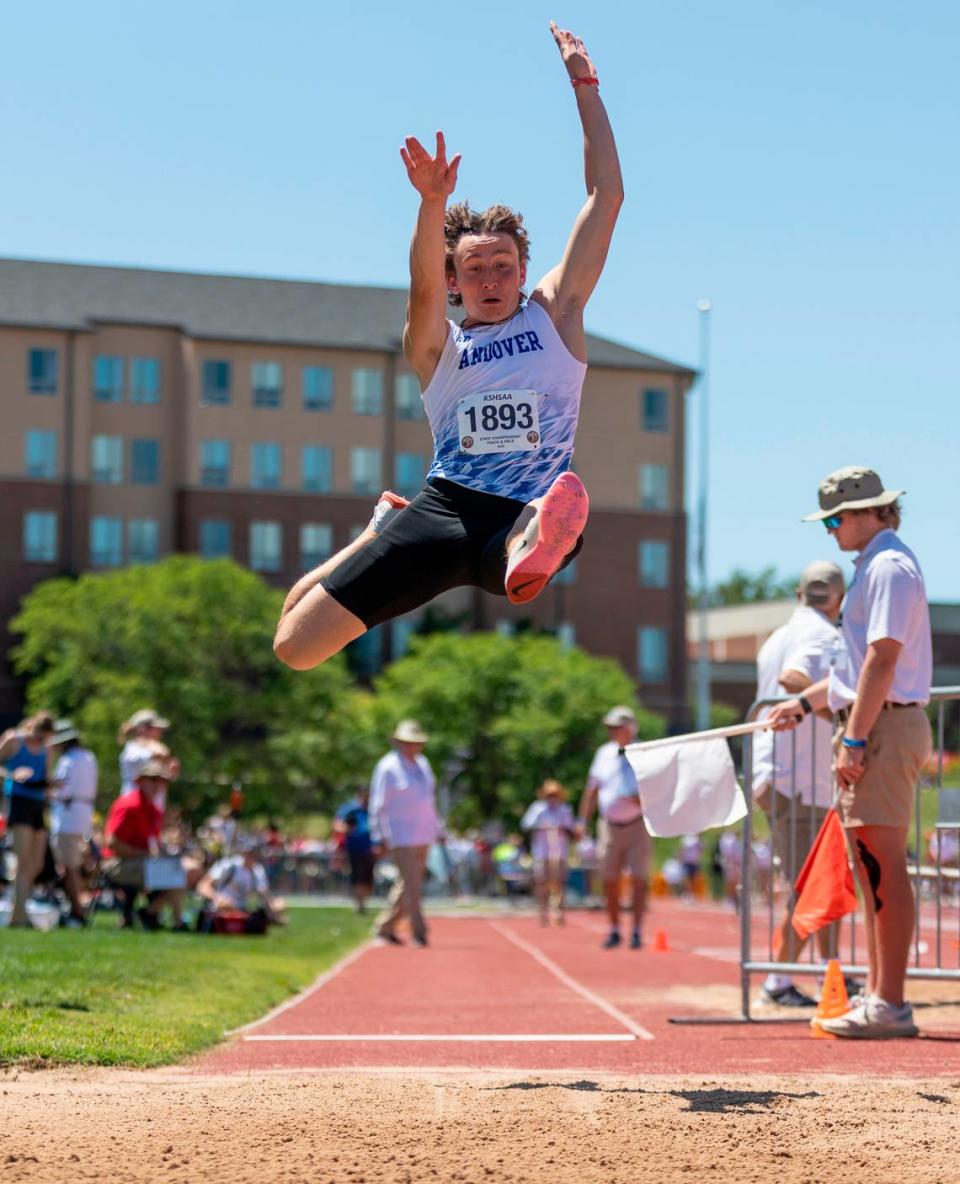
{"points": [[499, 421]]}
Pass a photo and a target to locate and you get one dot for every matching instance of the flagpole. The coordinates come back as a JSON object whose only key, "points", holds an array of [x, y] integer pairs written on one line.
{"points": [[690, 737], [703, 656]]}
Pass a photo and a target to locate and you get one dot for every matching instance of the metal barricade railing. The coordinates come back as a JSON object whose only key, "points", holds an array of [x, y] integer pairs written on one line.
{"points": [[930, 879]]}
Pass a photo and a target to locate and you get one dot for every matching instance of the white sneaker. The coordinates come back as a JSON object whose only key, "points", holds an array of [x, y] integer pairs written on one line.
{"points": [[875, 1019], [387, 508]]}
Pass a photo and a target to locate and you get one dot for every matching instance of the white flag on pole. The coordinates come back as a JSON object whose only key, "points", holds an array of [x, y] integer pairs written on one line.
{"points": [[688, 783]]}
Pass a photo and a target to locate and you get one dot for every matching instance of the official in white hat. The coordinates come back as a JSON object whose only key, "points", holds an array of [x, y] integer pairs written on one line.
{"points": [[625, 844], [404, 823], [877, 689]]}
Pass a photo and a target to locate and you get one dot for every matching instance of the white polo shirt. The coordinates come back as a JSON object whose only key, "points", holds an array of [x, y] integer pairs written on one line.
{"points": [[402, 808], [612, 775], [805, 644], [886, 599]]}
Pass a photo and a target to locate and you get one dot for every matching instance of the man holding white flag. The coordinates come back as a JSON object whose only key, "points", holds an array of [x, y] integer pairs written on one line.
{"points": [[624, 842]]}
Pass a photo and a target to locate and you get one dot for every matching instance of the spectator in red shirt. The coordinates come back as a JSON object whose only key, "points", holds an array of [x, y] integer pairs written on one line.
{"points": [[132, 835]]}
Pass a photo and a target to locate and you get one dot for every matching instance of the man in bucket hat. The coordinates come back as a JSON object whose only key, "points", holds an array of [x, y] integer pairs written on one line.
{"points": [[404, 823], [878, 685]]}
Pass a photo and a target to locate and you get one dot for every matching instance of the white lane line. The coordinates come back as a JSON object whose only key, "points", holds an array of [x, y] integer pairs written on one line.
{"points": [[584, 992], [434, 1038], [315, 986]]}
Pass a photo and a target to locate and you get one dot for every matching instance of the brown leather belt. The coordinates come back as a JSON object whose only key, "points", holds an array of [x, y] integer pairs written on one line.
{"points": [[844, 713]]}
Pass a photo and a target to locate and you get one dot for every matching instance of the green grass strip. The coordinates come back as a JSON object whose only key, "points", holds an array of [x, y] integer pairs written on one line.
{"points": [[102, 996]]}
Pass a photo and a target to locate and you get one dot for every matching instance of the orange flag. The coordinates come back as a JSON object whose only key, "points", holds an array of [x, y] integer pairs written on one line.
{"points": [[825, 885]]}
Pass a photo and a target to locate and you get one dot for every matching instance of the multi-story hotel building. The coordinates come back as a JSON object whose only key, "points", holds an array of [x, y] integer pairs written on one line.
{"points": [[148, 412]]}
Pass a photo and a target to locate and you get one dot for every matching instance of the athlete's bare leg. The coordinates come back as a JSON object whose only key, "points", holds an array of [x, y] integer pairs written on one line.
{"points": [[313, 626]]}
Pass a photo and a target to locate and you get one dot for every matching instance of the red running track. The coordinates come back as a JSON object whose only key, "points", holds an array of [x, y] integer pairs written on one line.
{"points": [[504, 993]]}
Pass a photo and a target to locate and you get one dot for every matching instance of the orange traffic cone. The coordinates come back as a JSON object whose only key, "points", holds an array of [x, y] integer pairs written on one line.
{"points": [[660, 945], [833, 1000]]}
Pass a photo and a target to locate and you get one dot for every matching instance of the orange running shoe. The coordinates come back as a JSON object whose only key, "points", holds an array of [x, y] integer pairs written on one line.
{"points": [[389, 504], [549, 532]]}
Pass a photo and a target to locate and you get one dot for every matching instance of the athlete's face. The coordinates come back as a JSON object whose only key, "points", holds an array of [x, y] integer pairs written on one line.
{"points": [[488, 275]]}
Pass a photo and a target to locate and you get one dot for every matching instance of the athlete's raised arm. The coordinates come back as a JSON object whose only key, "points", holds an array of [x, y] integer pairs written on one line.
{"points": [[425, 332], [566, 289]]}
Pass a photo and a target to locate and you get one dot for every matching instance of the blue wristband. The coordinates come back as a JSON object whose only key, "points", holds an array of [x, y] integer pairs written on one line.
{"points": [[848, 743]]}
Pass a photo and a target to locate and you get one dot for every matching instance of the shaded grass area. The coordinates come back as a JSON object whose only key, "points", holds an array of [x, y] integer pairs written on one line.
{"points": [[108, 997]]}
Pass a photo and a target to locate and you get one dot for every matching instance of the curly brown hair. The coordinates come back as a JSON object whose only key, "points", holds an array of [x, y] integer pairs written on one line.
{"points": [[460, 219]]}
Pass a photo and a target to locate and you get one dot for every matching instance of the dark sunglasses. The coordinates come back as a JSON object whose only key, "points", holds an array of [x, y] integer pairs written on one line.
{"points": [[833, 521]]}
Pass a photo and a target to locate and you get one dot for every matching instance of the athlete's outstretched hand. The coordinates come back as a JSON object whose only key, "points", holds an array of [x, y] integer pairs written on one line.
{"points": [[432, 176], [573, 52]]}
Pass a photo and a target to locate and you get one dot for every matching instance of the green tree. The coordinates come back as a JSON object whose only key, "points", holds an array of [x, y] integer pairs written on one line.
{"points": [[744, 587], [509, 712], [191, 638]]}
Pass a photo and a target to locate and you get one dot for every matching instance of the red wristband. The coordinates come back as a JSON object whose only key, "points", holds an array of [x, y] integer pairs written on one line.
{"points": [[592, 80]]}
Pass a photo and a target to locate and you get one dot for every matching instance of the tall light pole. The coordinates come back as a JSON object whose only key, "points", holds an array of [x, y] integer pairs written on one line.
{"points": [[703, 653]]}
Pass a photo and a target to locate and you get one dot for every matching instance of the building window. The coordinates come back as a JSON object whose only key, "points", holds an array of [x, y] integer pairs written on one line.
{"points": [[216, 382], [654, 487], [40, 454], [216, 538], [143, 540], [567, 635], [144, 462], [365, 470], [409, 471], [400, 633], [215, 462], [144, 380], [655, 415], [266, 378], [106, 542], [367, 391], [652, 653], [408, 403], [566, 575], [316, 468], [106, 460], [42, 367], [317, 388], [266, 462], [316, 544], [40, 536], [265, 546], [654, 563], [108, 379]]}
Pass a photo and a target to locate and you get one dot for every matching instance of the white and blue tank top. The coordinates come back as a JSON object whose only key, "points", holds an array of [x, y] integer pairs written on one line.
{"points": [[503, 405]]}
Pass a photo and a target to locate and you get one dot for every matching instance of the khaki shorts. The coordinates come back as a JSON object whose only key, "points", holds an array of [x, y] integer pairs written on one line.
{"points": [[896, 749], [68, 850], [790, 849], [625, 847]]}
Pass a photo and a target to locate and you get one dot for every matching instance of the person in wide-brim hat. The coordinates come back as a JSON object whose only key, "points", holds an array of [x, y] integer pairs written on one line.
{"points": [[404, 822], [408, 731], [877, 689]]}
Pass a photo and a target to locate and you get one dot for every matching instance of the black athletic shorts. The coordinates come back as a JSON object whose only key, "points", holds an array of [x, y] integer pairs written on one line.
{"points": [[361, 867], [448, 537], [27, 812]]}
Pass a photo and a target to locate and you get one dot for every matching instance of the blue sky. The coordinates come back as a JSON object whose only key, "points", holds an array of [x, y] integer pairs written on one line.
{"points": [[795, 164]]}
